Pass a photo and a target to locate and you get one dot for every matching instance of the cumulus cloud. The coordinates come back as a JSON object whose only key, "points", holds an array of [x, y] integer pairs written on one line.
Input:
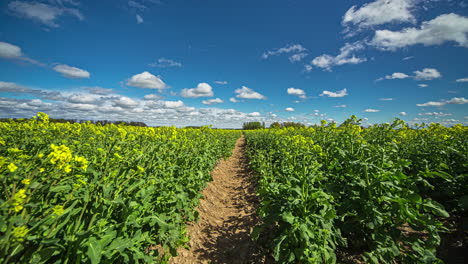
{"points": [[82, 99], [427, 74], [298, 92], [454, 100], [346, 56], [202, 90], [438, 114], [289, 109], [423, 85], [139, 19], [462, 80], [294, 48], [173, 104], [308, 68], [397, 75], [71, 72], [247, 93], [98, 90], [152, 97], [403, 113], [233, 100], [146, 80], [380, 12], [444, 28], [371, 110], [212, 101], [42, 13], [340, 93], [254, 114], [165, 63]]}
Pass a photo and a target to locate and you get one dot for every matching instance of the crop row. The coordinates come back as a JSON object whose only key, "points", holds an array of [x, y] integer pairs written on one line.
{"points": [[378, 194], [84, 193]]}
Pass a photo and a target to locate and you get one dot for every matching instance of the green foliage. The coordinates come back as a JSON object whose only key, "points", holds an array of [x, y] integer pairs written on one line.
{"points": [[372, 191], [86, 193], [253, 125]]}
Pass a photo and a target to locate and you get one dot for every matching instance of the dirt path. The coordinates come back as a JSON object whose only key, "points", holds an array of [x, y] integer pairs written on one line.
{"points": [[227, 216]]}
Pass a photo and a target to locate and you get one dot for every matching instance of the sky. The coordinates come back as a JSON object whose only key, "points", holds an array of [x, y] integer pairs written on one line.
{"points": [[223, 63]]}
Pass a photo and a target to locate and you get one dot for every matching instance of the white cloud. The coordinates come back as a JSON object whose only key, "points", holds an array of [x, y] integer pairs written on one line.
{"points": [[432, 103], [10, 51], [340, 106], [462, 80], [202, 90], [340, 93], [165, 63], [82, 99], [221, 82], [403, 113], [458, 100], [346, 56], [146, 80], [289, 109], [380, 12], [297, 57], [71, 72], [386, 99], [397, 75], [423, 85], [427, 74], [454, 100], [247, 93], [233, 100], [296, 48], [98, 90], [438, 114], [139, 19], [42, 13], [299, 92], [308, 68], [408, 58], [371, 111], [125, 102], [173, 104], [254, 114], [213, 101], [444, 28], [152, 97]]}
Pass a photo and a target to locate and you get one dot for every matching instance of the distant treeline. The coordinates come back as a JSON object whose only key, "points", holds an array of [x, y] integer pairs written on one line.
{"points": [[260, 125], [72, 121]]}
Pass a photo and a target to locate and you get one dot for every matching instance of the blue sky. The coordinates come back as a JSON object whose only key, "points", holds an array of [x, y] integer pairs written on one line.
{"points": [[227, 62]]}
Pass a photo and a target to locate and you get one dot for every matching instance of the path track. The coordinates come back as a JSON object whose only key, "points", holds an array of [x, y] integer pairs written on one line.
{"points": [[227, 216]]}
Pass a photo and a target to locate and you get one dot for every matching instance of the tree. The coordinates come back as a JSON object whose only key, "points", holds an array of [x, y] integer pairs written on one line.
{"points": [[253, 125], [275, 125]]}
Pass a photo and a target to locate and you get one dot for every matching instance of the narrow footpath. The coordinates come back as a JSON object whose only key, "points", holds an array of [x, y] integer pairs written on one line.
{"points": [[227, 216]]}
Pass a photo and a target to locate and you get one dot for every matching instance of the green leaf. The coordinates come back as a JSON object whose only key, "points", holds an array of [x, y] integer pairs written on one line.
{"points": [[94, 250], [436, 208]]}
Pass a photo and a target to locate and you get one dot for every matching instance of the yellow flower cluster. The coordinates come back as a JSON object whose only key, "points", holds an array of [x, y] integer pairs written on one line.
{"points": [[58, 210], [19, 233], [61, 157], [19, 199]]}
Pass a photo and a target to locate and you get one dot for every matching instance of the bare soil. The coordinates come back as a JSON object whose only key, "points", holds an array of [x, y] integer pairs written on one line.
{"points": [[227, 216]]}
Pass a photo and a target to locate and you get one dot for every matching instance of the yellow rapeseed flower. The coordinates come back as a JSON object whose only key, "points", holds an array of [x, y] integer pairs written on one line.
{"points": [[19, 233], [12, 167], [26, 181], [58, 210]]}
